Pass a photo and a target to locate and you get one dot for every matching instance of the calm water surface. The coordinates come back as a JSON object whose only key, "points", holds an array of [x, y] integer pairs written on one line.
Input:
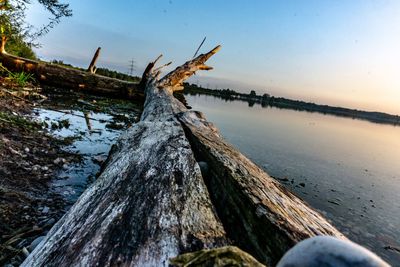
{"points": [[95, 142], [92, 128], [347, 169]]}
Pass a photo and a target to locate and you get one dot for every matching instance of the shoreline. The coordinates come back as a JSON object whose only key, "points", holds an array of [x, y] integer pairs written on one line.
{"points": [[267, 100]]}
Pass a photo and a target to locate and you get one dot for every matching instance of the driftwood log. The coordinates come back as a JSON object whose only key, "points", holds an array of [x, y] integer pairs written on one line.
{"points": [[149, 204], [67, 77], [152, 201], [258, 213]]}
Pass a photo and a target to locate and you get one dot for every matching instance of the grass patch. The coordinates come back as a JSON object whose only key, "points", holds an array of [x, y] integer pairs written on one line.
{"points": [[21, 79]]}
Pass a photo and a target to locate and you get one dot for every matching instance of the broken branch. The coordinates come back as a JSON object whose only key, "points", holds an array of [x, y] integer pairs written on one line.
{"points": [[175, 78], [92, 67]]}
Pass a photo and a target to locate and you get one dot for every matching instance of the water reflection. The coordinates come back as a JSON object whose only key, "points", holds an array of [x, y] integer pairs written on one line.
{"points": [[95, 142], [266, 101], [346, 168], [94, 126]]}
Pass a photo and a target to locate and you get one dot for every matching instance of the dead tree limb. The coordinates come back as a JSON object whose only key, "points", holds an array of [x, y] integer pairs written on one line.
{"points": [[146, 76], [92, 67], [175, 78]]}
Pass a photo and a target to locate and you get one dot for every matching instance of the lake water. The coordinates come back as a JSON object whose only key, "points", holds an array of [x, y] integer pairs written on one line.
{"points": [[95, 124], [92, 143], [348, 169]]}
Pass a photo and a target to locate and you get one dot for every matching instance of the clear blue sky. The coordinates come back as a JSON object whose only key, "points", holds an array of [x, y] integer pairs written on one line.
{"points": [[343, 52]]}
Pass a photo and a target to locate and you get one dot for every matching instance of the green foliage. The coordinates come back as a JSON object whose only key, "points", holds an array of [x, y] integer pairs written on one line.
{"points": [[56, 9], [13, 17], [102, 71], [19, 33], [117, 75], [16, 46], [11, 27], [61, 63], [20, 121], [20, 78]]}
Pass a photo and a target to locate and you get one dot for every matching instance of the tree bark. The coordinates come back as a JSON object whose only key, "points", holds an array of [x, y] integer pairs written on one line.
{"points": [[3, 44], [66, 77], [149, 204], [152, 201], [258, 213], [92, 67]]}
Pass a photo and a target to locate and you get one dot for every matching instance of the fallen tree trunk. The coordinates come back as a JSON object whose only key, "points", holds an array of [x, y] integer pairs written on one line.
{"points": [[151, 202], [66, 77], [258, 213]]}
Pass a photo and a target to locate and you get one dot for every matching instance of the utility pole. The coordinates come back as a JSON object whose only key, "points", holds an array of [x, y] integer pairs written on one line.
{"points": [[131, 67]]}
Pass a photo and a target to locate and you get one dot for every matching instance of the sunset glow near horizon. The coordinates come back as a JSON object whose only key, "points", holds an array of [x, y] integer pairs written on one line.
{"points": [[343, 53]]}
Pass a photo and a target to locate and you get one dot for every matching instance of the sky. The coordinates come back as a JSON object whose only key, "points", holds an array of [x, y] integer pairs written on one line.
{"points": [[336, 52]]}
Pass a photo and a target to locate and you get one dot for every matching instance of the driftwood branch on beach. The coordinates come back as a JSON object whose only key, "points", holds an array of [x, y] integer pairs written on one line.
{"points": [[153, 202]]}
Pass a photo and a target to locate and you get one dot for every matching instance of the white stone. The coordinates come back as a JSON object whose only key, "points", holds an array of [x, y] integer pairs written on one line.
{"points": [[327, 251]]}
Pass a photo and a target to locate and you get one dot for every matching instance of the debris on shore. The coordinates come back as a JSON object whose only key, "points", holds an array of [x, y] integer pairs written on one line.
{"points": [[33, 156], [28, 156]]}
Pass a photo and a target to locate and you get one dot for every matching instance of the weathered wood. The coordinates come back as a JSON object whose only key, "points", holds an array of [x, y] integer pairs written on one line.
{"points": [[65, 77], [175, 78], [92, 66], [258, 213], [151, 201], [149, 204], [147, 74]]}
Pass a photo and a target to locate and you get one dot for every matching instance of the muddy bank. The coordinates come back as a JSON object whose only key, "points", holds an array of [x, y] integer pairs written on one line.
{"points": [[50, 151], [28, 155]]}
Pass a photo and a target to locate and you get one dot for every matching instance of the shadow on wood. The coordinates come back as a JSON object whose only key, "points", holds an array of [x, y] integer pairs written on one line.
{"points": [[151, 201]]}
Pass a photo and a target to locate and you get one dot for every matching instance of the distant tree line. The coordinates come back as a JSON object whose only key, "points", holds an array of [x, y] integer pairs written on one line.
{"points": [[266, 100], [117, 75], [102, 71], [229, 94]]}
